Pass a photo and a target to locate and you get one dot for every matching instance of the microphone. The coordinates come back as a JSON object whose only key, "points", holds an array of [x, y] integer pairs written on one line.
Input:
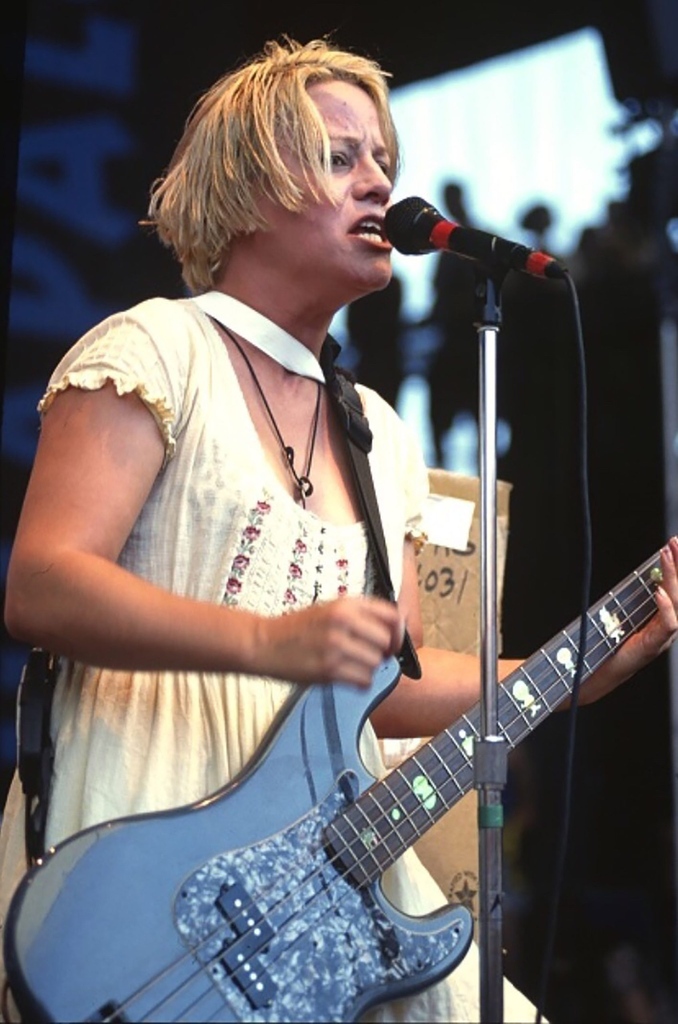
{"points": [[414, 227]]}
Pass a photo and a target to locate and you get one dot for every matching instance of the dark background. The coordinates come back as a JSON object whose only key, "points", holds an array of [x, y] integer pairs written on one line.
{"points": [[79, 254]]}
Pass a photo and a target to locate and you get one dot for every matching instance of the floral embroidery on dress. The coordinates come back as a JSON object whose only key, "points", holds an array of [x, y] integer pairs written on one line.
{"points": [[246, 545], [342, 572], [317, 584], [295, 570]]}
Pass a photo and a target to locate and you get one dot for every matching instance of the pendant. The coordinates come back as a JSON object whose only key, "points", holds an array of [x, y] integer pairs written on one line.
{"points": [[305, 487]]}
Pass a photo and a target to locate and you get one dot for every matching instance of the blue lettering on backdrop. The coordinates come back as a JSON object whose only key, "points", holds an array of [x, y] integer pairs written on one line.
{"points": [[20, 410], [61, 181], [62, 173], [101, 64], [49, 300]]}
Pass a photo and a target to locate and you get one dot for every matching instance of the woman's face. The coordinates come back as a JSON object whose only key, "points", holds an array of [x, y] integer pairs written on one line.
{"points": [[337, 245]]}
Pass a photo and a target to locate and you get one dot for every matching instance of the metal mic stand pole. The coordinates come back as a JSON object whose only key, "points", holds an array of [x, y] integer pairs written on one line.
{"points": [[490, 759]]}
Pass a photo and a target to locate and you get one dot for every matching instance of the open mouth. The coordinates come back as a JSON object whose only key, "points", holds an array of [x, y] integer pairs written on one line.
{"points": [[369, 228]]}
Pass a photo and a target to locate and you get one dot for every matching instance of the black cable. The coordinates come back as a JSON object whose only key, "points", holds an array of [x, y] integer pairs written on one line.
{"points": [[304, 485], [552, 925]]}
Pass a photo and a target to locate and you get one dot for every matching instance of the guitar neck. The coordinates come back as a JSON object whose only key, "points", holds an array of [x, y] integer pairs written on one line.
{"points": [[393, 813]]}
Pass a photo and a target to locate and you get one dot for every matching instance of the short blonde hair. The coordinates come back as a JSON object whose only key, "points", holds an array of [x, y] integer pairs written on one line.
{"points": [[230, 151]]}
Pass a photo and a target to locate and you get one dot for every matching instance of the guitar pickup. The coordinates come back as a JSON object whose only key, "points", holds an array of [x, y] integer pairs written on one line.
{"points": [[250, 977], [244, 917], [252, 935]]}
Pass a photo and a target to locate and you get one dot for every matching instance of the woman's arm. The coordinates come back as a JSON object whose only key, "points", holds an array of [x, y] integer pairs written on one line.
{"points": [[450, 683], [96, 462]]}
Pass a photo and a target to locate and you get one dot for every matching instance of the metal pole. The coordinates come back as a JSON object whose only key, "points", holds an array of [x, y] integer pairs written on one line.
{"points": [[490, 754]]}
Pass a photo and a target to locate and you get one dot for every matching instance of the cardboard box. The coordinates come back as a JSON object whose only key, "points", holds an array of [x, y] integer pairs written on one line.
{"points": [[449, 580]]}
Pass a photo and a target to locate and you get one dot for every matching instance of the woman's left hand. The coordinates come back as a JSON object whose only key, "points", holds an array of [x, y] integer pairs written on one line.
{"points": [[649, 642]]}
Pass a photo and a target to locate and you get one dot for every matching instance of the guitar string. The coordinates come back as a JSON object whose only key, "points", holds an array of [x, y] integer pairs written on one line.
{"points": [[369, 853], [521, 713], [211, 988]]}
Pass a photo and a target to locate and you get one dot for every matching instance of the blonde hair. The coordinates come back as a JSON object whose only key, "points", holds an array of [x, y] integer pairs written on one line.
{"points": [[230, 151]]}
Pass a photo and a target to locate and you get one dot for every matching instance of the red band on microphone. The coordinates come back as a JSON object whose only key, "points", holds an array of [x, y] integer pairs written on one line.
{"points": [[440, 236], [537, 263]]}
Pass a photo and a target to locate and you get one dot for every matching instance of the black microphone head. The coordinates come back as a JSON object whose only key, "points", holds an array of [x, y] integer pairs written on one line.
{"points": [[408, 225]]}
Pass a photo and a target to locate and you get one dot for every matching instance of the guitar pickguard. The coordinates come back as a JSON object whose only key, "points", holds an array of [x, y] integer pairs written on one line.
{"points": [[284, 936]]}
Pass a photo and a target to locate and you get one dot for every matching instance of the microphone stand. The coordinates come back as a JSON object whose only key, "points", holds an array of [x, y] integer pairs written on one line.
{"points": [[490, 756]]}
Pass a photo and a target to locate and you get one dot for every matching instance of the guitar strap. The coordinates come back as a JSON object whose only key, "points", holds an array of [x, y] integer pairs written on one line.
{"points": [[35, 753], [359, 436]]}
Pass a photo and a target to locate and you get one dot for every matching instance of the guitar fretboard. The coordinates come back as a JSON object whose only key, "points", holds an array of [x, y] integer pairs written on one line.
{"points": [[393, 813]]}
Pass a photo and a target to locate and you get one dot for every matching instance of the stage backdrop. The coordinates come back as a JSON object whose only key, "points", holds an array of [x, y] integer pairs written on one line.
{"points": [[106, 88]]}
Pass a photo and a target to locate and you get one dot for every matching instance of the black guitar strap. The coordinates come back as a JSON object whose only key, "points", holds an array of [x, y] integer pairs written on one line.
{"points": [[35, 754], [357, 429]]}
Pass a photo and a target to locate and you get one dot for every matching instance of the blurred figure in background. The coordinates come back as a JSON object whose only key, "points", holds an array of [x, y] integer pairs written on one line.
{"points": [[453, 373], [375, 330]]}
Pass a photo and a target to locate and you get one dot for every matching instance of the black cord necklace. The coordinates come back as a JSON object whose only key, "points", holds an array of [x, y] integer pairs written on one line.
{"points": [[303, 482]]}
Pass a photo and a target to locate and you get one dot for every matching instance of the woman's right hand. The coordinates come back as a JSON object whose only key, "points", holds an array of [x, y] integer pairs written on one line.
{"points": [[339, 641]]}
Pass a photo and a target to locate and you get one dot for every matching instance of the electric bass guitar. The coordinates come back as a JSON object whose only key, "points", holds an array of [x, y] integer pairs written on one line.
{"points": [[263, 902]]}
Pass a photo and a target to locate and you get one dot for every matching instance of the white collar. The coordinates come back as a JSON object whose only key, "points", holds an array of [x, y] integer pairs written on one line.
{"points": [[261, 332]]}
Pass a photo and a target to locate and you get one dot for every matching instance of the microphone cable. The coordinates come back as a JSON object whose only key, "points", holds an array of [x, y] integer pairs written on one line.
{"points": [[561, 856], [415, 227]]}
